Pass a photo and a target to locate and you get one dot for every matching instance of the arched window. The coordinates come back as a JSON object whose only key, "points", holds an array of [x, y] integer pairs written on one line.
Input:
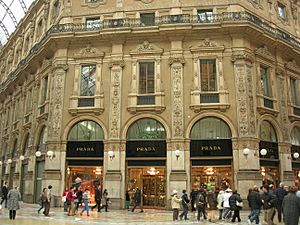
{"points": [[14, 150], [267, 132], [25, 146], [86, 131], [210, 128], [146, 129], [296, 136], [42, 139]]}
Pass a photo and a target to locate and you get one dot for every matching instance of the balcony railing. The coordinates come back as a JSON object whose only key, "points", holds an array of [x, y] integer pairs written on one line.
{"points": [[209, 98], [227, 17], [146, 100]]}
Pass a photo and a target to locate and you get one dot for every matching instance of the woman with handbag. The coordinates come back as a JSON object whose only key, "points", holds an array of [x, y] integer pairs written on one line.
{"points": [[43, 199], [235, 203]]}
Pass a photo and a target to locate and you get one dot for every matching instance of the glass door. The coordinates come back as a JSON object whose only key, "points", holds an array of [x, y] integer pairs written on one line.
{"points": [[40, 167]]}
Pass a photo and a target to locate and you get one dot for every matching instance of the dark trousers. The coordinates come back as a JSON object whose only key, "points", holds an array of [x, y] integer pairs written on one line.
{"points": [[175, 214], [12, 214], [201, 211], [42, 206], [192, 205], [4, 199], [279, 211], [47, 208], [98, 203], [236, 214], [104, 206], [137, 204], [185, 212]]}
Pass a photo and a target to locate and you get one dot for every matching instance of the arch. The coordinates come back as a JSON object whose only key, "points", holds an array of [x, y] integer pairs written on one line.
{"points": [[267, 132], [275, 125], [295, 135], [42, 138], [14, 148], [146, 128], [74, 121], [143, 116], [25, 144], [211, 114], [86, 130]]}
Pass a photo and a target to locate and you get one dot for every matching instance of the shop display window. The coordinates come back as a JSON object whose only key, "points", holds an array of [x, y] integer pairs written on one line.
{"points": [[270, 175]]}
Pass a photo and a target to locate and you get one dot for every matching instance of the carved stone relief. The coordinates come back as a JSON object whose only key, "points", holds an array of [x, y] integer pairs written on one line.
{"points": [[89, 52], [283, 108], [147, 48]]}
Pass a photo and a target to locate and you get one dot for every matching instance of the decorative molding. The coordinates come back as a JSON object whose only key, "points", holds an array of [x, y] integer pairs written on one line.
{"points": [[283, 105], [116, 63], [146, 48], [145, 1], [207, 45], [293, 66], [89, 52], [256, 4], [264, 53], [176, 59], [242, 55]]}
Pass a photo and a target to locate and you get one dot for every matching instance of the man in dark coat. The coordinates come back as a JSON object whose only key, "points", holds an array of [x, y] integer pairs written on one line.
{"points": [[97, 198], [4, 194], [280, 193], [269, 203], [291, 207], [255, 203], [138, 200], [185, 201], [193, 199]]}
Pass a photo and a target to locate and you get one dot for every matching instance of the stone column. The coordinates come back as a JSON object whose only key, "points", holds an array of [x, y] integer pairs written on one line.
{"points": [[114, 168], [246, 167]]}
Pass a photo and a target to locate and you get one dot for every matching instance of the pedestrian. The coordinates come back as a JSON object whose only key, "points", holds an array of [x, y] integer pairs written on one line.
{"points": [[76, 200], [79, 196], [175, 204], [201, 204], [233, 200], [13, 198], [280, 194], [127, 199], [85, 197], [104, 200], [64, 199], [43, 199], [226, 207], [138, 200], [70, 199], [4, 194], [193, 197], [220, 200], [269, 201], [184, 201], [97, 198], [254, 202], [291, 207], [48, 201]]}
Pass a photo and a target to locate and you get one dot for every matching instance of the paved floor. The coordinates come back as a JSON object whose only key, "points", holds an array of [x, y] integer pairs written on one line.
{"points": [[28, 215]]}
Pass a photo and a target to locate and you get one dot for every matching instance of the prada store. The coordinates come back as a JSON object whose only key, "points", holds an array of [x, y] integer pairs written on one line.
{"points": [[146, 162], [84, 159], [211, 154]]}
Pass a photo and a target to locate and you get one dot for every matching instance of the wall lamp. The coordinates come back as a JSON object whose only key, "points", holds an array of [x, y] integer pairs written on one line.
{"points": [[1, 163], [22, 157], [296, 155], [263, 152], [177, 153], [50, 154], [9, 161], [38, 154], [246, 151], [111, 155]]}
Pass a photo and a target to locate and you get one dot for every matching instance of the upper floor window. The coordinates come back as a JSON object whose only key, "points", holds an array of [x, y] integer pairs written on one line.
{"points": [[44, 90], [93, 23], [42, 139], [28, 101], [146, 77], [86, 130], [281, 10], [55, 10], [294, 91], [265, 81], [88, 80], [147, 19], [208, 75], [39, 28], [205, 15]]}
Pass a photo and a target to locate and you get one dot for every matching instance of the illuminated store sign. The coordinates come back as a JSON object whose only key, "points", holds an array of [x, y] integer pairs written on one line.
{"points": [[219, 147], [85, 149], [146, 148]]}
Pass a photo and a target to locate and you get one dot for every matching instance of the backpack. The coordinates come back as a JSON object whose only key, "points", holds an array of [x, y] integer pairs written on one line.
{"points": [[201, 201]]}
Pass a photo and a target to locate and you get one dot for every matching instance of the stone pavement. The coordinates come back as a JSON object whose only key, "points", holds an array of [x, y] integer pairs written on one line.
{"points": [[28, 215]]}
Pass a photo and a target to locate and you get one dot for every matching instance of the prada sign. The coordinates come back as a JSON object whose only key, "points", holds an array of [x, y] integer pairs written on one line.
{"points": [[146, 148], [218, 147], [85, 149]]}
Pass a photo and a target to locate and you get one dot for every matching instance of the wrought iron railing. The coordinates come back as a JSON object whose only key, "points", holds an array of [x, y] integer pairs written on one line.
{"points": [[226, 17]]}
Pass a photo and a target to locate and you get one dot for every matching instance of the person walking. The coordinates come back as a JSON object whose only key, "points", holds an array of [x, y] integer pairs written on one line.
{"points": [[64, 200], [193, 197], [105, 200], [201, 204], [291, 207], [280, 194], [138, 200], [184, 201], [220, 201], [268, 205], [85, 198], [175, 204], [233, 199], [255, 203], [48, 201], [226, 207], [127, 199], [43, 199], [70, 199], [4, 194], [13, 198], [97, 198]]}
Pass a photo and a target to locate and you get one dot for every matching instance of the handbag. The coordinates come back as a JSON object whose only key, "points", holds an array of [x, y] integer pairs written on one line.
{"points": [[239, 204]]}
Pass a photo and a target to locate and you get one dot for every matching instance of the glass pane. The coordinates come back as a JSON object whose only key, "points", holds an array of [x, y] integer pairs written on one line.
{"points": [[296, 136], [265, 81], [208, 75], [294, 91], [146, 77], [267, 132], [93, 23], [210, 128], [25, 147], [146, 129], [88, 80], [85, 131]]}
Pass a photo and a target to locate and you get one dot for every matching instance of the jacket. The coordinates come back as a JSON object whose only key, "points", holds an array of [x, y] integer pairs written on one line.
{"points": [[137, 196], [220, 199], [13, 198], [175, 202], [185, 199], [268, 200], [232, 201], [254, 200]]}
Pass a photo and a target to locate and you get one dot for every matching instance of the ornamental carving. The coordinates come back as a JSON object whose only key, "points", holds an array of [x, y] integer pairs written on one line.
{"points": [[292, 65], [265, 53], [283, 108], [89, 52], [242, 55], [145, 1], [207, 45], [176, 59], [146, 48], [294, 9]]}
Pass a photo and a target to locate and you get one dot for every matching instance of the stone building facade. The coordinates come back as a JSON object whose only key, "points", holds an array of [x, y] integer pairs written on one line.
{"points": [[155, 94]]}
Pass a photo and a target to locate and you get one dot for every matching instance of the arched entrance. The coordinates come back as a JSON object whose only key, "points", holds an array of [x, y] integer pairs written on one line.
{"points": [[84, 159], [146, 161], [269, 157], [296, 152], [211, 154]]}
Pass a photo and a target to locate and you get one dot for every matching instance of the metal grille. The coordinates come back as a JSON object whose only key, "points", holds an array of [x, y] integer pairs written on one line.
{"points": [[209, 98], [146, 100], [268, 103], [86, 102]]}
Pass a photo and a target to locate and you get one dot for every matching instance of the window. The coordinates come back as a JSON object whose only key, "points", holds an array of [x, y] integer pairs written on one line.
{"points": [[55, 11], [93, 23], [146, 77], [42, 140], [86, 131], [294, 91], [28, 101], [208, 75], [147, 19], [265, 81], [44, 90], [39, 29], [14, 150], [205, 16], [281, 10], [88, 80]]}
